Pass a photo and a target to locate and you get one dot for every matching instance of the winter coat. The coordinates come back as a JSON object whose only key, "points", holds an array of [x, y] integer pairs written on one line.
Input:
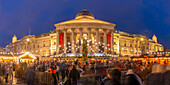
{"points": [[154, 79], [112, 82], [167, 78], [131, 80], [74, 75], [53, 69], [63, 67], [30, 74]]}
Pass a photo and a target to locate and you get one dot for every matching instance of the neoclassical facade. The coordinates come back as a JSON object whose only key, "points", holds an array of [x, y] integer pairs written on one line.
{"points": [[102, 39]]}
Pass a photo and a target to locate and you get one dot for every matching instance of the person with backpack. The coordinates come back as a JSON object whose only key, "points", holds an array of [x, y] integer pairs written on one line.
{"points": [[53, 72]]}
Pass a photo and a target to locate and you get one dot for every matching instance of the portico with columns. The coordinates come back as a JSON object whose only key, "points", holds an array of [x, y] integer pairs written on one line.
{"points": [[85, 26]]}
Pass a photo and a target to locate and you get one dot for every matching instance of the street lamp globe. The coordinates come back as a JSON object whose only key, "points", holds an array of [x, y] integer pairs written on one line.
{"points": [[28, 39]]}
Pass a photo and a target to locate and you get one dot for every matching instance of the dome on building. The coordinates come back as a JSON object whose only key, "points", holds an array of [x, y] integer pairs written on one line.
{"points": [[84, 14]]}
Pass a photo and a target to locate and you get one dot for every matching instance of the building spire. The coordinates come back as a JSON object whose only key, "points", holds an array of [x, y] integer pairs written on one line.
{"points": [[84, 9], [30, 29], [14, 39], [154, 38]]}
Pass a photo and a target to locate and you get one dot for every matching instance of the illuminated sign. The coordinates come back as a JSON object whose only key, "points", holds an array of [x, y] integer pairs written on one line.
{"points": [[145, 55], [159, 55], [166, 54], [152, 55]]}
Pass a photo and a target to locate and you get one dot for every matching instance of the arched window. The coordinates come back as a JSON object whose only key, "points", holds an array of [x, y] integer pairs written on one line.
{"points": [[125, 44], [131, 45]]}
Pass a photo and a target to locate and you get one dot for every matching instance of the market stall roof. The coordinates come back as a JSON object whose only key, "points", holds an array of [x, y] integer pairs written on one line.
{"points": [[27, 55], [151, 56]]}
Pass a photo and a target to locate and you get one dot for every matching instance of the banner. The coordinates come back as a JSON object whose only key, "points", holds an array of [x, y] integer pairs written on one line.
{"points": [[61, 40], [108, 40]]}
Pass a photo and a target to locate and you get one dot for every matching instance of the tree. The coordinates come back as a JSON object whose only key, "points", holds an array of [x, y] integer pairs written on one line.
{"points": [[85, 51]]}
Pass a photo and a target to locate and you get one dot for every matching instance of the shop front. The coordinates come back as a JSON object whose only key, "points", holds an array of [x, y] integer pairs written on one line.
{"points": [[159, 58], [5, 57]]}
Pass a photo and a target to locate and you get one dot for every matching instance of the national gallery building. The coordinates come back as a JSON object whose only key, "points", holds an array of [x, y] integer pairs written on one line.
{"points": [[101, 37]]}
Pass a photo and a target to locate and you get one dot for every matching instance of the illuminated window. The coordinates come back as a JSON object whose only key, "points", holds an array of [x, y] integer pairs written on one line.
{"points": [[125, 44], [131, 45]]}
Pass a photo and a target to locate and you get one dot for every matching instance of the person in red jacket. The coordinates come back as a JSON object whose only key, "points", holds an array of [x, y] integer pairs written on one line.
{"points": [[53, 72]]}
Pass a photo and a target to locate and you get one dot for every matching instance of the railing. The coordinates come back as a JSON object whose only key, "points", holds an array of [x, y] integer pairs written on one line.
{"points": [[44, 78], [40, 78]]}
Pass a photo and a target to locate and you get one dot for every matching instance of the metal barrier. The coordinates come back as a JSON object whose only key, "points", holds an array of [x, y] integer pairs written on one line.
{"points": [[41, 77], [45, 78]]}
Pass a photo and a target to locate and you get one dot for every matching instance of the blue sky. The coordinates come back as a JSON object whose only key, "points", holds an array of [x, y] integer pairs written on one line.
{"points": [[147, 17]]}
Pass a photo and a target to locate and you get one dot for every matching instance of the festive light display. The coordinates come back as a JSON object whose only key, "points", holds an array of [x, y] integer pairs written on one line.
{"points": [[85, 51]]}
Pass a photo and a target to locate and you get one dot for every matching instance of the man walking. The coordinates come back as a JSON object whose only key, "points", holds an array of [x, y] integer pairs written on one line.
{"points": [[63, 70], [74, 75], [30, 74], [53, 72]]}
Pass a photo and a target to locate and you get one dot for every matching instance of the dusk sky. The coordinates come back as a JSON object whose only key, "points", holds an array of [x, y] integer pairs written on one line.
{"points": [[146, 17]]}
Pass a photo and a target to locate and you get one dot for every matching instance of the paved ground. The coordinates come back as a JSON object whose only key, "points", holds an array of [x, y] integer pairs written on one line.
{"points": [[15, 81], [85, 80], [12, 81]]}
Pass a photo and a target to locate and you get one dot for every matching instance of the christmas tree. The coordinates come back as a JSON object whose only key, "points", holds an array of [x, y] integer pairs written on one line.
{"points": [[85, 51]]}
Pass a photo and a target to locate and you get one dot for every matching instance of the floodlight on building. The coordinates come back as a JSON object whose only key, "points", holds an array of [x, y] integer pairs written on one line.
{"points": [[28, 40]]}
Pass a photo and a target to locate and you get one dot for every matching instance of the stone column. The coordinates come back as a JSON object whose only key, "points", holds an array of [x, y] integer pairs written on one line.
{"points": [[73, 42], [136, 46], [105, 41], [118, 46], [97, 40], [149, 47], [51, 46], [81, 40], [112, 42], [65, 41], [134, 49], [57, 42], [89, 39]]}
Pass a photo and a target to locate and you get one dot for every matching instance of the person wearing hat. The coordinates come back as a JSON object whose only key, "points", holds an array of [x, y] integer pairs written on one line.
{"points": [[167, 75], [132, 78], [53, 72], [156, 77]]}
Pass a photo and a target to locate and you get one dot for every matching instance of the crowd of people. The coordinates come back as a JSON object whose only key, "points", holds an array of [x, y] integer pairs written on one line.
{"points": [[109, 72]]}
